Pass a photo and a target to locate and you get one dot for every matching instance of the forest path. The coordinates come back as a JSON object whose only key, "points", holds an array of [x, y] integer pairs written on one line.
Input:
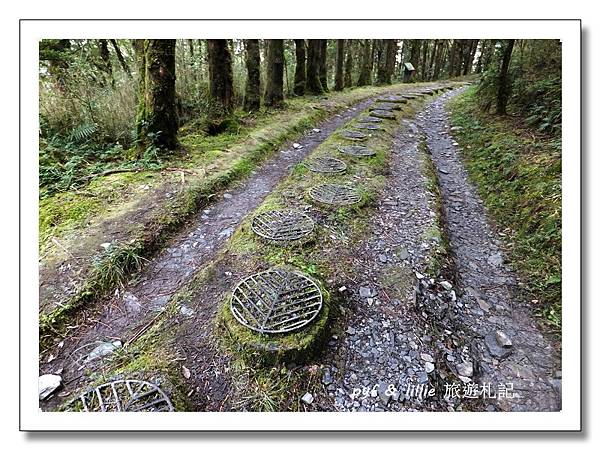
{"points": [[133, 307], [401, 341]]}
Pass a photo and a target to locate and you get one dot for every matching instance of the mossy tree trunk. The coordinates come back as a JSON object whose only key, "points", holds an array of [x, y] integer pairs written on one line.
{"points": [[349, 65], [365, 67], [313, 82], [391, 51], [274, 90], [339, 66], [157, 115], [323, 64], [503, 82], [220, 77], [415, 56], [300, 74], [252, 94]]}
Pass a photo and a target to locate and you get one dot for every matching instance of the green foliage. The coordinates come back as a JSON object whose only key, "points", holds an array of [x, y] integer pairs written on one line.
{"points": [[518, 175]]}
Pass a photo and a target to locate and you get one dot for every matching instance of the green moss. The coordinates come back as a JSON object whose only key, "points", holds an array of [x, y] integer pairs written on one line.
{"points": [[518, 175]]}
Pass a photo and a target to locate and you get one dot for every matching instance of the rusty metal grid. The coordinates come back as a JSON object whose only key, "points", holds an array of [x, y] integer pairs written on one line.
{"points": [[357, 150], [335, 194], [122, 396], [276, 301], [326, 164], [383, 114], [282, 225], [354, 135]]}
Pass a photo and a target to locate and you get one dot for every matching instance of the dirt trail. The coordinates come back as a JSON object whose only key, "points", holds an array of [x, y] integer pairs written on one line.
{"points": [[488, 287], [123, 315]]}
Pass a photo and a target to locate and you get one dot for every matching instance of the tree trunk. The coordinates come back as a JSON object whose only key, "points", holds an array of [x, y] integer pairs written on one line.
{"points": [[323, 64], [122, 61], [503, 83], [339, 66], [479, 66], [252, 93], [365, 68], [274, 91], [432, 60], [415, 56], [220, 77], [390, 59], [300, 74], [348, 66], [469, 67], [424, 60], [313, 82], [157, 114]]}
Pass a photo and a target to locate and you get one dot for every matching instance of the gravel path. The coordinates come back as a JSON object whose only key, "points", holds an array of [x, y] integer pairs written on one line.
{"points": [[433, 344]]}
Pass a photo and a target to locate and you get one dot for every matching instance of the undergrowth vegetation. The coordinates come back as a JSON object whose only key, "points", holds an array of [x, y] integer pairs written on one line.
{"points": [[518, 173]]}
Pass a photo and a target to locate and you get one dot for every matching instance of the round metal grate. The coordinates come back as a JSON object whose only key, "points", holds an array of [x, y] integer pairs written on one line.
{"points": [[357, 150], [326, 164], [276, 301], [386, 106], [369, 119], [335, 194], [382, 114], [367, 126], [122, 396], [392, 99], [282, 225], [353, 135]]}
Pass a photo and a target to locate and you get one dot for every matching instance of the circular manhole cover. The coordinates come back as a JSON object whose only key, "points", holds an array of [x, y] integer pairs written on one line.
{"points": [[383, 114], [122, 396], [282, 225], [367, 126], [357, 150], [354, 135], [335, 194], [369, 119], [276, 301], [326, 164]]}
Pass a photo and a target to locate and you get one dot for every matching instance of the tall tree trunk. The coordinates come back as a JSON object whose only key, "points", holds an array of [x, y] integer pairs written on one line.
{"points": [[440, 59], [391, 51], [300, 74], [220, 77], [432, 60], [349, 65], [313, 82], [105, 57], [323, 64], [274, 91], [252, 93], [479, 65], [472, 52], [157, 114], [339, 66], [503, 82], [120, 57], [424, 60], [365, 67], [415, 56]]}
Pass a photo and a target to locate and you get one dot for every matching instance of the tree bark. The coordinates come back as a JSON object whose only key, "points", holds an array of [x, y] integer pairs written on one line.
{"points": [[415, 56], [339, 66], [323, 64], [220, 77], [313, 82], [274, 90], [503, 82], [349, 65], [473, 51], [424, 60], [120, 57], [432, 60], [300, 74], [365, 68], [105, 57], [157, 114], [252, 93]]}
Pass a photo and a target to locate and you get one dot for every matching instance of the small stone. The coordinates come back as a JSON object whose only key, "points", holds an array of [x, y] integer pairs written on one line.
{"points": [[184, 310], [364, 292], [446, 285], [465, 369], [503, 339], [383, 258], [351, 331], [429, 367], [106, 245], [342, 289], [426, 357], [102, 350], [316, 130], [296, 145], [419, 276], [465, 380], [483, 305], [496, 350], [422, 377], [495, 259], [370, 301], [227, 195], [404, 255], [327, 378], [47, 384], [383, 393], [308, 398]]}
